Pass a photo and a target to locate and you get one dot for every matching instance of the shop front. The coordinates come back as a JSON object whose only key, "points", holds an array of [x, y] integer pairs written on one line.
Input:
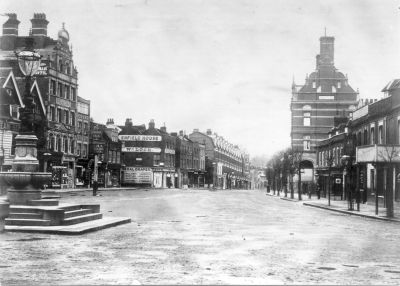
{"points": [[163, 177], [137, 176], [112, 175]]}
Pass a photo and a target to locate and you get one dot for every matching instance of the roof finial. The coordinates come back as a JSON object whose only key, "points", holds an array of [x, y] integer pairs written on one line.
{"points": [[63, 25], [325, 31]]}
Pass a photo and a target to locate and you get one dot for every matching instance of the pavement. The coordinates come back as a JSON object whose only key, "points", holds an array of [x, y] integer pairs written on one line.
{"points": [[206, 237], [341, 206]]}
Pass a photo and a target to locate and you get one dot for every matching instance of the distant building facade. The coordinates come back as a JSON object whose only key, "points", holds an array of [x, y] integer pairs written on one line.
{"points": [[225, 162], [148, 156], [325, 95]]}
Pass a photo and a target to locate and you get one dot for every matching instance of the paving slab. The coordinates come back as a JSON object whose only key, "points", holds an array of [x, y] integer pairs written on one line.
{"points": [[75, 229]]}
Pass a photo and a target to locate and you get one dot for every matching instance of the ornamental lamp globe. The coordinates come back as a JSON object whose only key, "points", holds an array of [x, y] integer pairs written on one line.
{"points": [[29, 62]]}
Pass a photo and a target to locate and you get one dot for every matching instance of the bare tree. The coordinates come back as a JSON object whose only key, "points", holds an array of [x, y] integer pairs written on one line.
{"points": [[387, 154], [295, 158]]}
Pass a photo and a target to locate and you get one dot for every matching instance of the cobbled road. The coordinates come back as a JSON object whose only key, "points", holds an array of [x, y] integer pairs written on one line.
{"points": [[207, 237]]}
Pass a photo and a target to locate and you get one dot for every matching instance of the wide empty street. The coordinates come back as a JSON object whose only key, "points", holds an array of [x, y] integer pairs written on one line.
{"points": [[207, 237]]}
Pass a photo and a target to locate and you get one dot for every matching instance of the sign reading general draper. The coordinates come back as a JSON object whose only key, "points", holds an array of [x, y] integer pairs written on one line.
{"points": [[139, 138], [138, 175], [141, 149]]}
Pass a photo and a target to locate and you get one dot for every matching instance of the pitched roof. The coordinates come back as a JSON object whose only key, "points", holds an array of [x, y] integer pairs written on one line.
{"points": [[393, 84]]}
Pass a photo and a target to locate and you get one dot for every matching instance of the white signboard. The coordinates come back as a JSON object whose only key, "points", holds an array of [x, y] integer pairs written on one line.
{"points": [[138, 175], [169, 151], [139, 138], [141, 150]]}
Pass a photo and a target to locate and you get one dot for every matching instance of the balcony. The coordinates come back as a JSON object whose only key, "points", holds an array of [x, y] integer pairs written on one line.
{"points": [[378, 154]]}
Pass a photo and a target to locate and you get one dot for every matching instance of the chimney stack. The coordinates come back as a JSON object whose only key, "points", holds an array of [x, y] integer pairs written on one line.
{"points": [[209, 132], [163, 129], [128, 122], [10, 32], [10, 27], [39, 24], [151, 124], [195, 130], [180, 132]]}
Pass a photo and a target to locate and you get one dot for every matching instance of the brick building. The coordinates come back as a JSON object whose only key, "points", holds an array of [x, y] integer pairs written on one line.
{"points": [[104, 144], [376, 129], [190, 162], [148, 155], [225, 162], [57, 81], [325, 95]]}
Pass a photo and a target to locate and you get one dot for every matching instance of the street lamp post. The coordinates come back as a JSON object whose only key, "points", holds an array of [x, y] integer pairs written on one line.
{"points": [[29, 63], [346, 161]]}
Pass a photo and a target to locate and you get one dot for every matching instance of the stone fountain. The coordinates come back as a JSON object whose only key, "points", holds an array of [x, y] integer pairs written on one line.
{"points": [[25, 210]]}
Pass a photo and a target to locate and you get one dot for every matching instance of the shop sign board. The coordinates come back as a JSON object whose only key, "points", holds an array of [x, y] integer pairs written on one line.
{"points": [[139, 138], [98, 148], [169, 151], [97, 135], [138, 175], [141, 149]]}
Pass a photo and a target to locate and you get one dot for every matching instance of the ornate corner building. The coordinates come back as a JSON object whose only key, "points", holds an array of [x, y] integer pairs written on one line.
{"points": [[57, 87], [325, 97]]}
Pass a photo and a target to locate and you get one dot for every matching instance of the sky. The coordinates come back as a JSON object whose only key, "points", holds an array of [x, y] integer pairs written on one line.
{"points": [[224, 65]]}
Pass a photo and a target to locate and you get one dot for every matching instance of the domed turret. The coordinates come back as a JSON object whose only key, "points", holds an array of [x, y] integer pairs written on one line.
{"points": [[63, 34]]}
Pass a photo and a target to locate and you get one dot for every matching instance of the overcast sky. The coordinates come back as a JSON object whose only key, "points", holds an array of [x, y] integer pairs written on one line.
{"points": [[224, 65]]}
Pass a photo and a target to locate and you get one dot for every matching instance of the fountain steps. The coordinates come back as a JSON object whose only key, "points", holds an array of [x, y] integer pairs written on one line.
{"points": [[79, 212], [51, 197], [50, 215], [27, 222], [82, 218], [25, 215], [43, 202]]}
